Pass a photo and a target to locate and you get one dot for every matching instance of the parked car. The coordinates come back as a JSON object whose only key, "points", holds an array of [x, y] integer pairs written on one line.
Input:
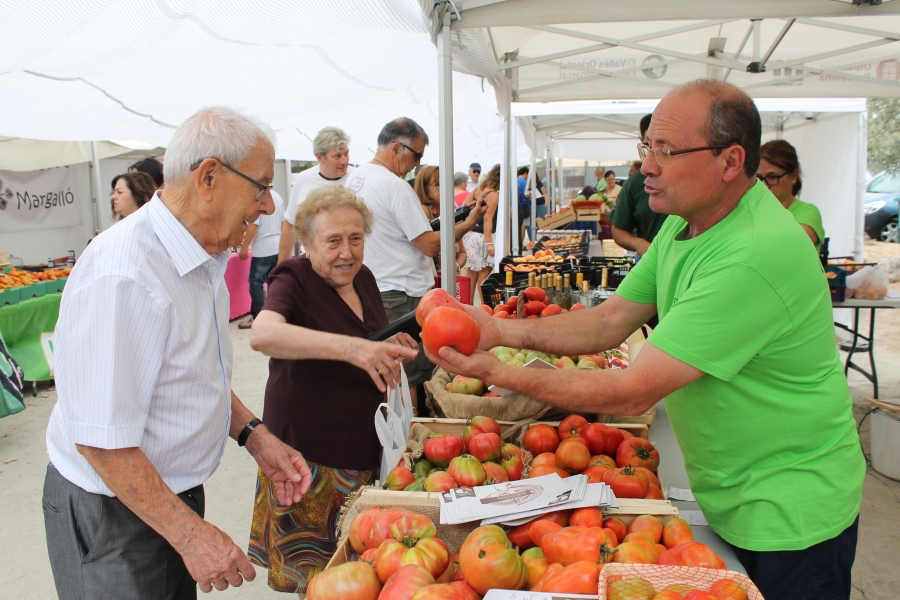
{"points": [[882, 202]]}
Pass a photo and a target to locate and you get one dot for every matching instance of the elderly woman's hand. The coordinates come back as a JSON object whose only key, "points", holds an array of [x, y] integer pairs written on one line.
{"points": [[381, 360], [404, 339]]}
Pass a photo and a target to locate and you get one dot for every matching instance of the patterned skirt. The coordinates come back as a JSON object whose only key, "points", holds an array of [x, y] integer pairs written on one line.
{"points": [[296, 542]]}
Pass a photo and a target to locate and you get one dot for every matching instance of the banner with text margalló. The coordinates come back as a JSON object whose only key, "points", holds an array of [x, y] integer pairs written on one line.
{"points": [[42, 199]]}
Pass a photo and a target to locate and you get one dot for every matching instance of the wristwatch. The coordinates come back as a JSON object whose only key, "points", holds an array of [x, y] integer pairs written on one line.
{"points": [[245, 433]]}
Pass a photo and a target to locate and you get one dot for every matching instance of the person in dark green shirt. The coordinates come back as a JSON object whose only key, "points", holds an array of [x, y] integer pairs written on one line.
{"points": [[634, 224], [744, 353], [779, 169]]}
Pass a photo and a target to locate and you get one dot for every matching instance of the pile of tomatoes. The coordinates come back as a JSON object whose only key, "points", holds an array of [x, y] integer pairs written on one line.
{"points": [[605, 454], [536, 305], [401, 558], [479, 457], [19, 278]]}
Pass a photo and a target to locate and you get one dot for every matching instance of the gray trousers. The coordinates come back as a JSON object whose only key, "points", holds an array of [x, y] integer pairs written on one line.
{"points": [[100, 549], [396, 305]]}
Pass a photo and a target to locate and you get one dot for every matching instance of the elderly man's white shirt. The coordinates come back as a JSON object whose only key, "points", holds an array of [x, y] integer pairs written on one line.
{"points": [[142, 353]]}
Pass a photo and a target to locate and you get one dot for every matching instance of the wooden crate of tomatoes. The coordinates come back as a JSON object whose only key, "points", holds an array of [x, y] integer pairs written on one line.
{"points": [[390, 551]]}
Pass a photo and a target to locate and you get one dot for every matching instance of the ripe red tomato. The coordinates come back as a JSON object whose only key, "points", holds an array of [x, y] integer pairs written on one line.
{"points": [[535, 293], [438, 591], [512, 449], [433, 299], [595, 473], [495, 473], [398, 479], [513, 466], [412, 526], [372, 526], [485, 446], [353, 579], [551, 570], [465, 590], [600, 460], [586, 517], [368, 556], [572, 426], [501, 308], [540, 529], [429, 553], [582, 577], [618, 526], [486, 308], [651, 476], [573, 544], [654, 493], [440, 481], [466, 470], [540, 438], [546, 470], [728, 589], [692, 554], [649, 525], [701, 595], [405, 582], [521, 536], [631, 552], [644, 541], [626, 483], [446, 326], [441, 448], [513, 305], [638, 452], [552, 309], [477, 425], [487, 561], [572, 456], [501, 314], [577, 306], [677, 532], [602, 439], [534, 308]]}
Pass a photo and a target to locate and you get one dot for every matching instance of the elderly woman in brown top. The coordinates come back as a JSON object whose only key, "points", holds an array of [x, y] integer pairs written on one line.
{"points": [[325, 382]]}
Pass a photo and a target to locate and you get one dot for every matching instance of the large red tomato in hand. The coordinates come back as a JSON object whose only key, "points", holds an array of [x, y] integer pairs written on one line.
{"points": [[572, 426], [350, 580], [602, 439], [573, 544], [450, 327], [540, 438], [582, 577], [692, 554], [441, 448], [433, 299], [487, 561], [405, 582], [638, 452]]}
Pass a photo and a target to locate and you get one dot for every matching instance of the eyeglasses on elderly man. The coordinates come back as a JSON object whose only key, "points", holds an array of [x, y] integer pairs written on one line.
{"points": [[262, 187]]}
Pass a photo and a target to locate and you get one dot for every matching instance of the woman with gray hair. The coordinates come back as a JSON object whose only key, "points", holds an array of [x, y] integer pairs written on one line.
{"points": [[460, 193], [326, 381]]}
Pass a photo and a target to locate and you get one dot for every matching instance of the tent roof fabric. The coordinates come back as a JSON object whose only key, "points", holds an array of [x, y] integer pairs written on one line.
{"points": [[135, 69], [593, 49]]}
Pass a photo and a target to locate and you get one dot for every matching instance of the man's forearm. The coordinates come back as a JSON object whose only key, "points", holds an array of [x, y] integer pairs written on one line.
{"points": [[136, 482], [629, 241], [286, 242], [463, 228]]}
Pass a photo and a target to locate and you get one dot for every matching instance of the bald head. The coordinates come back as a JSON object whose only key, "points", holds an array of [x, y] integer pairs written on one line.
{"points": [[732, 118]]}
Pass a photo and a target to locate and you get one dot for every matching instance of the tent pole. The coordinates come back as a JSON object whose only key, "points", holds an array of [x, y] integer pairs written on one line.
{"points": [[502, 234], [514, 187], [287, 180], [445, 110], [98, 187], [862, 145], [530, 185]]}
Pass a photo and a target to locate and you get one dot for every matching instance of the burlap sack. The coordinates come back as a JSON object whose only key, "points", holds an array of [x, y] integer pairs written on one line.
{"points": [[445, 404], [423, 503]]}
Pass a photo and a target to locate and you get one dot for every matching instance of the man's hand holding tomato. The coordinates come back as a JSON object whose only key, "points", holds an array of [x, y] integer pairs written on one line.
{"points": [[480, 365]]}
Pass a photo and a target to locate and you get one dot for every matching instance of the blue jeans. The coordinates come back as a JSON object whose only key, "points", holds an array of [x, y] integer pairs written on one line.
{"points": [[259, 273]]}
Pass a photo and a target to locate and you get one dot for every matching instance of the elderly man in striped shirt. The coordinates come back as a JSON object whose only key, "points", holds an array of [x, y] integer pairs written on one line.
{"points": [[143, 373]]}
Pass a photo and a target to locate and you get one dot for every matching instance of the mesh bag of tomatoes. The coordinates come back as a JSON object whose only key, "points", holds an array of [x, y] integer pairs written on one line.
{"points": [[658, 582], [614, 456]]}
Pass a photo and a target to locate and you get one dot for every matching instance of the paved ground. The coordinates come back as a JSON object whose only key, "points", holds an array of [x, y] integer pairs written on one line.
{"points": [[26, 571]]}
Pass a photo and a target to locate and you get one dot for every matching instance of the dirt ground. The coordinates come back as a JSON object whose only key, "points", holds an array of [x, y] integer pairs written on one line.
{"points": [[26, 570]]}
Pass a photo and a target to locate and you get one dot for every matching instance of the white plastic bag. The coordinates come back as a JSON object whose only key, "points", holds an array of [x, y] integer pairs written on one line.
{"points": [[869, 283], [393, 430]]}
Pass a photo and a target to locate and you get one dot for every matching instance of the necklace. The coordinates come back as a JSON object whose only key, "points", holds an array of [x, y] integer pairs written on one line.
{"points": [[381, 163]]}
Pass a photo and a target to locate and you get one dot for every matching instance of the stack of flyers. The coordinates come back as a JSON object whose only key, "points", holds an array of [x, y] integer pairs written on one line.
{"points": [[514, 499], [597, 495]]}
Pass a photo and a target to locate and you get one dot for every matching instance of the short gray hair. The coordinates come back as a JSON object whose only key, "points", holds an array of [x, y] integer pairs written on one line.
{"points": [[330, 138], [323, 199], [459, 177], [213, 132], [403, 130]]}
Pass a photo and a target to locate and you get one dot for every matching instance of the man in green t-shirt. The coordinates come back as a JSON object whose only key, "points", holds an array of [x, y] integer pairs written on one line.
{"points": [[634, 223], [744, 353]]}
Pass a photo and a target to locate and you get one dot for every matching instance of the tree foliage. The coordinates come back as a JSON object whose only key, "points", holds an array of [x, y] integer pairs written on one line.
{"points": [[884, 134]]}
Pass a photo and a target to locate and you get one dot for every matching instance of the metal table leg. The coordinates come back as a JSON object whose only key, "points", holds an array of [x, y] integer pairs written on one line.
{"points": [[870, 339]]}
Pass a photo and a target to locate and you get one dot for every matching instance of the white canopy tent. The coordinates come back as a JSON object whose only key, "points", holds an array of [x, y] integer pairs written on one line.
{"points": [[536, 51]]}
